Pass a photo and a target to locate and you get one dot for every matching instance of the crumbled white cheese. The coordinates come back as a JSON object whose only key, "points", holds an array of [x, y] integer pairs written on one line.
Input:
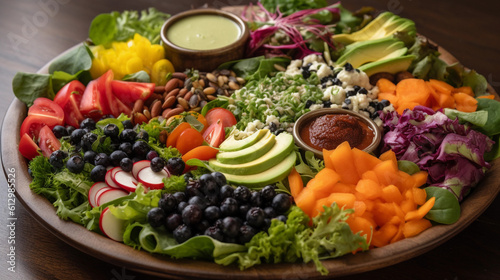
{"points": [[335, 94], [315, 107], [272, 119], [294, 68], [354, 78], [312, 58], [324, 71]]}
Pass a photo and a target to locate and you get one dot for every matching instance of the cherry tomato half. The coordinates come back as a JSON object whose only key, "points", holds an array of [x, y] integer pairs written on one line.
{"points": [[69, 98], [28, 148], [224, 115], [188, 140], [172, 138], [215, 134], [48, 142]]}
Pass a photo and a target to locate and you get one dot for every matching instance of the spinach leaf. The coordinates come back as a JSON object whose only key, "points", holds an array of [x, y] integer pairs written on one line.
{"points": [[255, 68], [103, 28], [478, 118], [73, 62], [115, 26], [408, 166], [446, 209], [266, 67], [492, 126], [27, 87]]}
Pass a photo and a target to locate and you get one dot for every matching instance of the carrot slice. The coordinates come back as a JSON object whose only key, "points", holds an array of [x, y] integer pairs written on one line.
{"points": [[386, 86], [465, 103], [491, 96], [295, 182], [414, 227], [421, 211]]}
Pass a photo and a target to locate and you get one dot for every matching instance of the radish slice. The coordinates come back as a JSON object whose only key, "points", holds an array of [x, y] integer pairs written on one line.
{"points": [[110, 195], [111, 226], [109, 180], [96, 188], [125, 180], [138, 166], [151, 179]]}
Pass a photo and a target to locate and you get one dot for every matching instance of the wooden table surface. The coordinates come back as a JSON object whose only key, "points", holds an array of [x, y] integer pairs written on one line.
{"points": [[34, 31]]}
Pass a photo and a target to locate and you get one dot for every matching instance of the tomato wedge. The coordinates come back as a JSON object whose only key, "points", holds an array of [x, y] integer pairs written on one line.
{"points": [[93, 104], [32, 124], [224, 115], [129, 92], [69, 98], [48, 142], [115, 106], [215, 134], [45, 107], [28, 148]]}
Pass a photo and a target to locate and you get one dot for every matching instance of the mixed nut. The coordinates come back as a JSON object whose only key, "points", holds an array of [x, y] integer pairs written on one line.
{"points": [[183, 93]]}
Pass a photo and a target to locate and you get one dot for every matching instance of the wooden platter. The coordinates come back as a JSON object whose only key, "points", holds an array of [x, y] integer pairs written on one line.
{"points": [[119, 254]]}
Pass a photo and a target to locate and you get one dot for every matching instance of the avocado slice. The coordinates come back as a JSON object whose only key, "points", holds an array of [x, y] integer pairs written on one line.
{"points": [[253, 152], [272, 175], [382, 26], [371, 50], [391, 65], [283, 146], [231, 144]]}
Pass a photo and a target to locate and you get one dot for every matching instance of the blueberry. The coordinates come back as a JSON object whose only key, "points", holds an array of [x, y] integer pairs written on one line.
{"points": [[247, 232], [212, 213], [385, 102], [192, 214], [157, 164], [126, 147], [347, 101], [180, 196], [363, 91], [59, 131], [117, 156], [336, 81], [151, 155], [242, 194], [327, 104], [89, 156], [126, 164], [98, 173], [273, 126], [181, 206], [56, 159], [111, 130], [70, 129], [230, 226], [199, 201], [182, 233], [193, 189], [87, 140], [215, 233], [255, 217], [256, 199], [128, 135], [281, 203], [281, 218], [268, 193], [219, 178], [277, 132], [156, 217], [226, 191], [168, 203], [243, 210], [269, 211], [76, 136], [356, 88], [175, 165], [229, 207], [127, 124], [88, 123], [75, 164], [140, 149], [173, 221], [102, 159], [142, 135], [208, 185]]}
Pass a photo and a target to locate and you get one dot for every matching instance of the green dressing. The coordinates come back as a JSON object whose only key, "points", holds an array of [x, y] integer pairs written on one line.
{"points": [[203, 32]]}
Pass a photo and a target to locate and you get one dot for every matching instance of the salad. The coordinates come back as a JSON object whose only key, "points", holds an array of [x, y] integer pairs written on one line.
{"points": [[203, 165]]}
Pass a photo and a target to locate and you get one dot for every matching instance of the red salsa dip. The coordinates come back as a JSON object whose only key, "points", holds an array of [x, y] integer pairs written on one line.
{"points": [[329, 131]]}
